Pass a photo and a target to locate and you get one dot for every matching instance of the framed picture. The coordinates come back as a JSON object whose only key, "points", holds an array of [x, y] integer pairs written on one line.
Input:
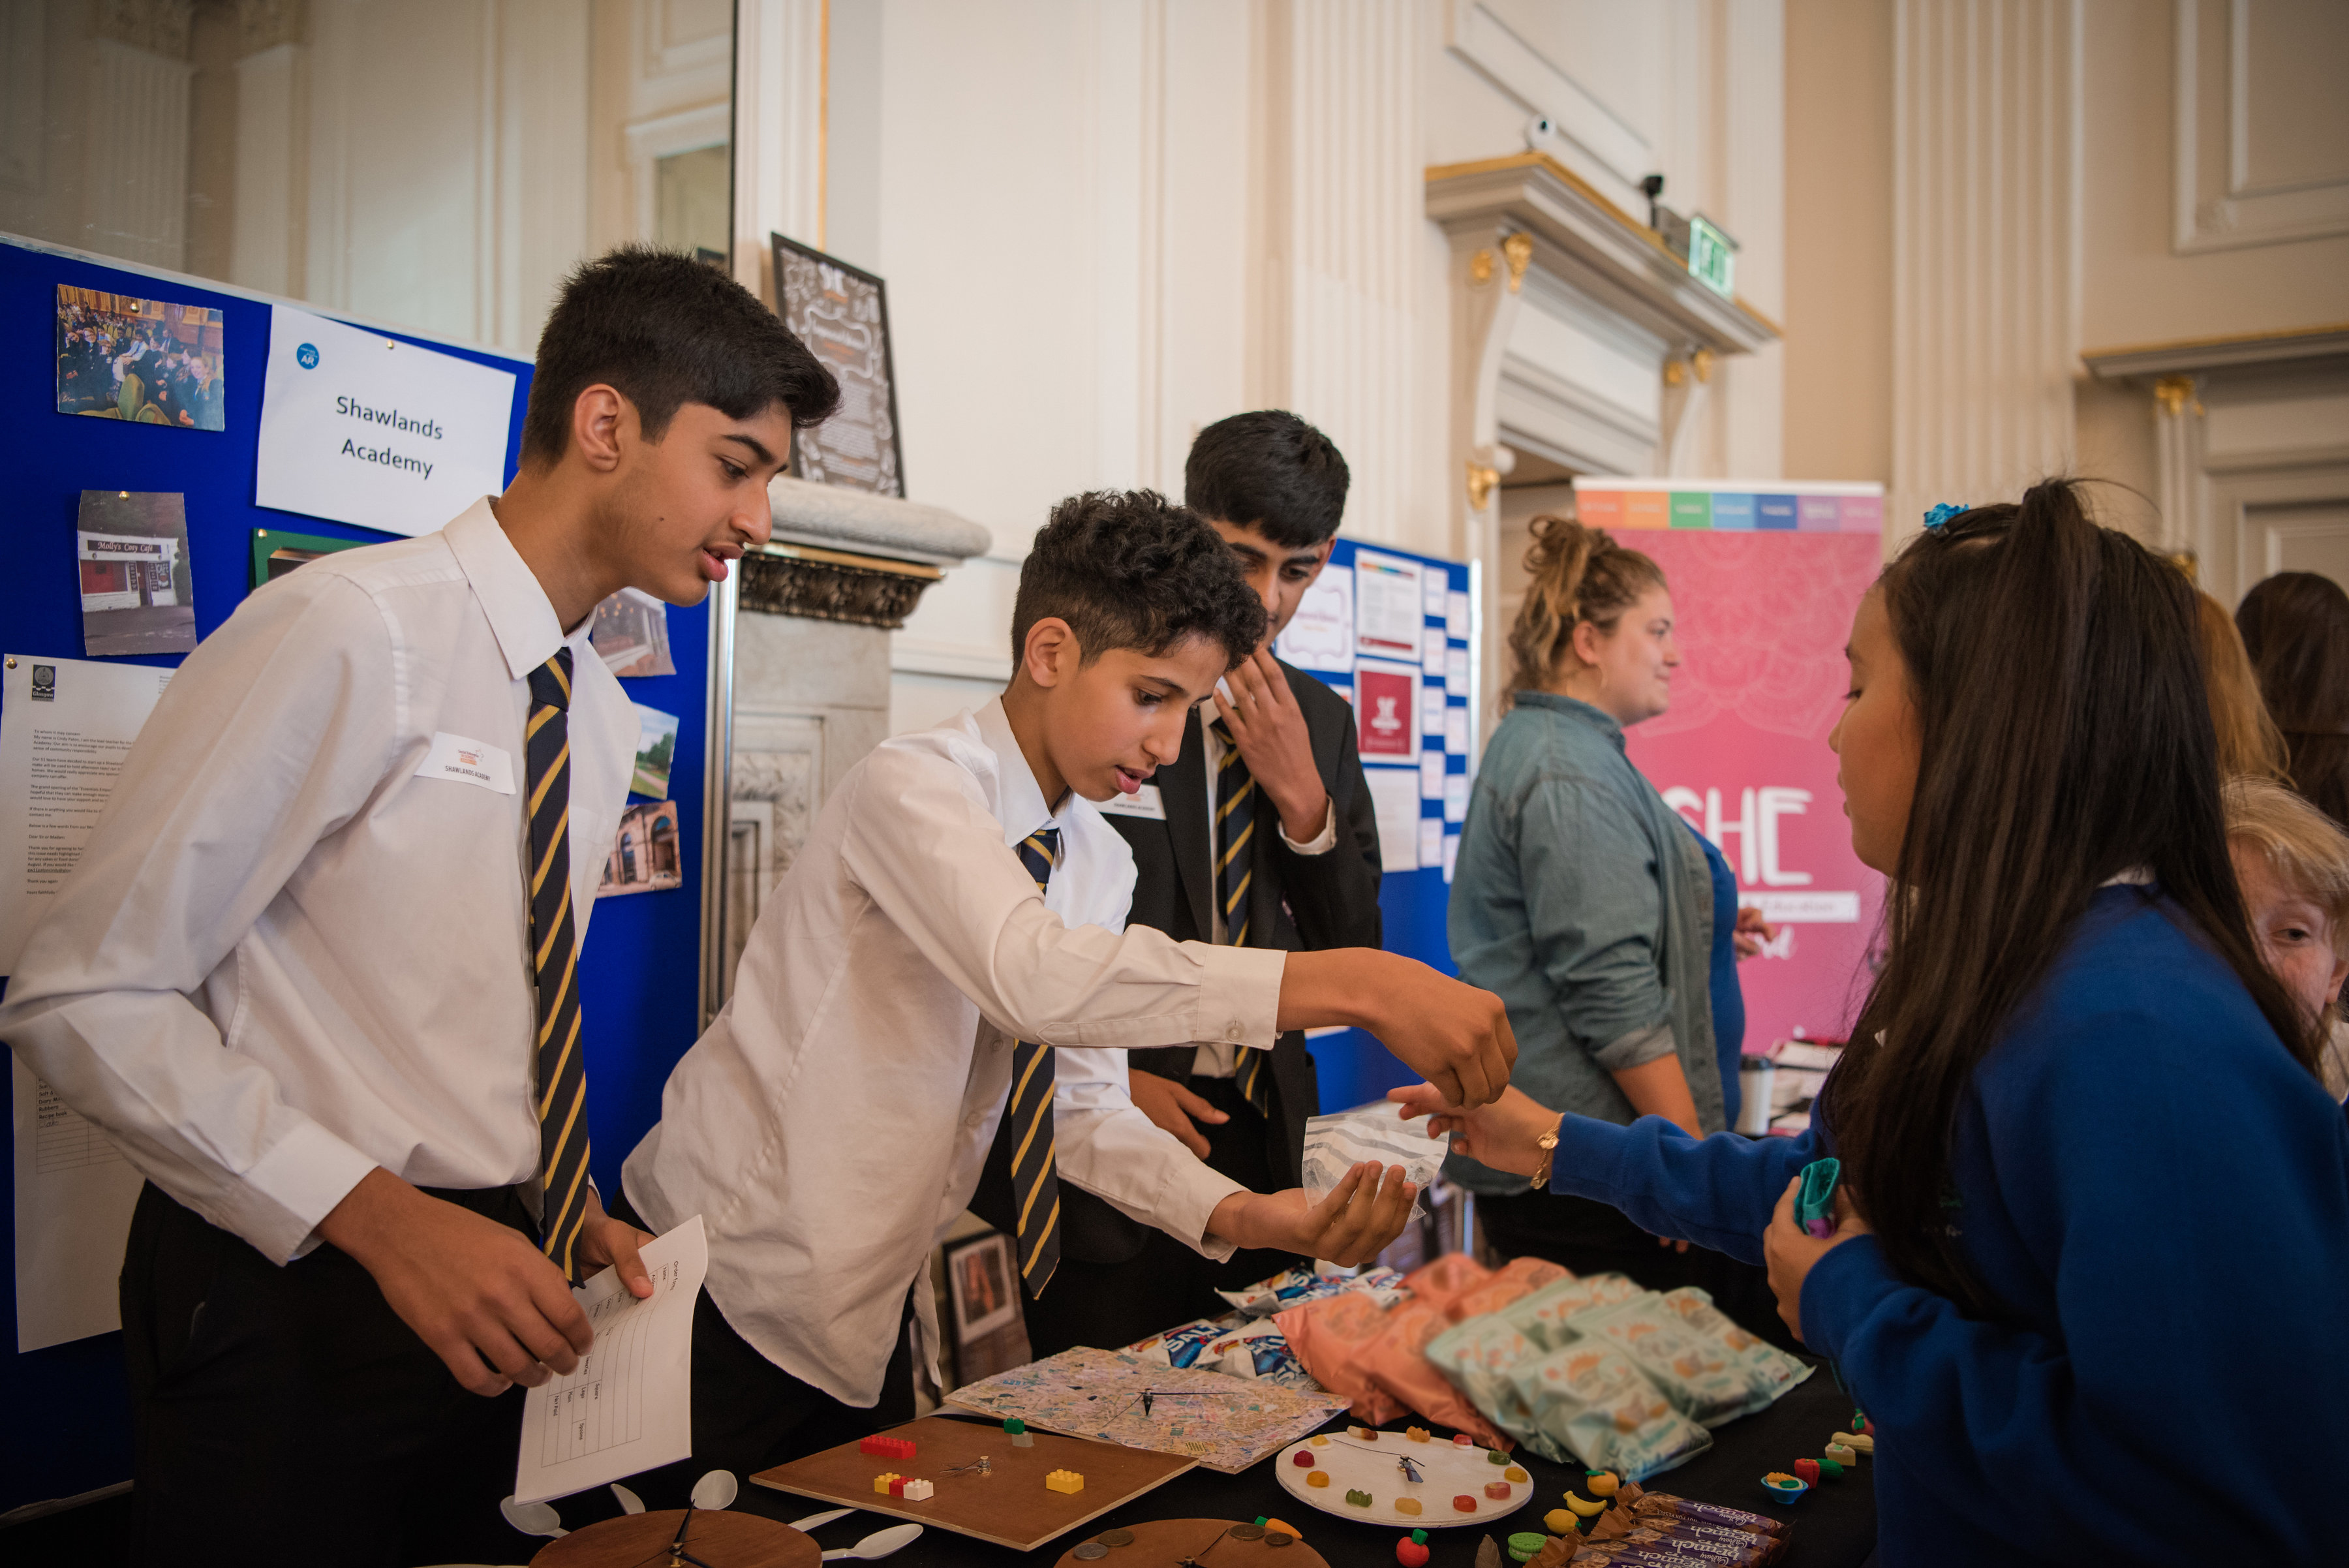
{"points": [[841, 314], [984, 1287], [153, 361]]}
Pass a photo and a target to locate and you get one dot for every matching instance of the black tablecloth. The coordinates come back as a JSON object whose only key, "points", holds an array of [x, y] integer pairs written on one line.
{"points": [[1835, 1526]]}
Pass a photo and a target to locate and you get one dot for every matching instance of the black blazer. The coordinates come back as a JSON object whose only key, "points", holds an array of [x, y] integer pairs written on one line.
{"points": [[1295, 903]]}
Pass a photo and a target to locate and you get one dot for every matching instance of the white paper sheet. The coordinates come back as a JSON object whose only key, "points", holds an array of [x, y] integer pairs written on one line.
{"points": [[1388, 617], [1320, 635], [1394, 798], [66, 724], [364, 428], [1431, 776], [73, 1196], [630, 1405]]}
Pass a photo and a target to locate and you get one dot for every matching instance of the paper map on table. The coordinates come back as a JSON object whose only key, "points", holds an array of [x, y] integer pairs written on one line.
{"points": [[1224, 1422]]}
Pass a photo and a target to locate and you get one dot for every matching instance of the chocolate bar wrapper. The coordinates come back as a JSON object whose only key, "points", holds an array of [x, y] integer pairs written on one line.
{"points": [[1745, 1551], [1743, 1545], [1655, 1503]]}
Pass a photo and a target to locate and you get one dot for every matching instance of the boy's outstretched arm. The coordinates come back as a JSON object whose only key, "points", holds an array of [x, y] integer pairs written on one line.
{"points": [[1450, 1034]]}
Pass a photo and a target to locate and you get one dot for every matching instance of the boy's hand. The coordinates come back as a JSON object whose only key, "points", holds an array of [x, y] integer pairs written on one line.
{"points": [[1790, 1251], [1751, 931], [605, 1240], [1270, 729], [1354, 1222], [1500, 1134], [1172, 1108], [486, 1301], [1454, 1035]]}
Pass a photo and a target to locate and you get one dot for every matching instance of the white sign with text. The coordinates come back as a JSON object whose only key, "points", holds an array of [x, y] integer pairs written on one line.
{"points": [[363, 428]]}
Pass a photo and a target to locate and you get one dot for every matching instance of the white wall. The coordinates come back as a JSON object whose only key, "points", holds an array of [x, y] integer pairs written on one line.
{"points": [[1105, 224]]}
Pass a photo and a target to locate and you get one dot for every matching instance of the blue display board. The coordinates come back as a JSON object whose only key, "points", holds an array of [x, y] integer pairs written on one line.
{"points": [[1393, 632], [69, 1426]]}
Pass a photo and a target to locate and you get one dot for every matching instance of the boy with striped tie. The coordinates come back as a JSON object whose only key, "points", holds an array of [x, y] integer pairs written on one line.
{"points": [[956, 915], [315, 973]]}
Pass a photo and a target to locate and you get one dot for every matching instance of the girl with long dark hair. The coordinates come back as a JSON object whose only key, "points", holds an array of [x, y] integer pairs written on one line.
{"points": [[2093, 1239]]}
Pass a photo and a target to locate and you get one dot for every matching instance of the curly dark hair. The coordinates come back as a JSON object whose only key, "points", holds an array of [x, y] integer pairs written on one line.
{"points": [[1131, 569], [666, 330], [1270, 471]]}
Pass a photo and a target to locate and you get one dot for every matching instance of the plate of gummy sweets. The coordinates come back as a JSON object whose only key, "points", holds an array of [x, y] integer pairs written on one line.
{"points": [[1413, 1479]]}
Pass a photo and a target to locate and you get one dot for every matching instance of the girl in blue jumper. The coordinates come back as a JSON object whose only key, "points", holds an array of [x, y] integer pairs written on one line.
{"points": [[2093, 1232]]}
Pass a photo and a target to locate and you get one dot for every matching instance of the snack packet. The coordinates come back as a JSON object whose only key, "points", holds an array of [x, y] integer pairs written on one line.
{"points": [[1397, 1362], [1332, 1338], [1439, 1283], [1770, 1369], [1186, 1345], [1517, 1277], [1594, 1401], [1303, 1284], [1541, 1316], [1336, 1144], [1479, 1355], [1694, 1371]]}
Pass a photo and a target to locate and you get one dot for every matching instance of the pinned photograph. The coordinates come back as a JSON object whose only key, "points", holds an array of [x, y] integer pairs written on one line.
{"points": [[656, 749], [147, 360], [979, 1276], [137, 595], [644, 857], [631, 634]]}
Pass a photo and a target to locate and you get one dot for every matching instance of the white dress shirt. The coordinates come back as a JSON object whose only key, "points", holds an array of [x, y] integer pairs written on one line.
{"points": [[1213, 1059], [833, 1122], [285, 958]]}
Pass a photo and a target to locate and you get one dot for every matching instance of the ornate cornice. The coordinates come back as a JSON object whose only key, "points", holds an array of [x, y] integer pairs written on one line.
{"points": [[831, 584], [265, 24], [158, 27]]}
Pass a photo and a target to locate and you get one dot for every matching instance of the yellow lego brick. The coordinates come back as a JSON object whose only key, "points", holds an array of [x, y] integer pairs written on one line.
{"points": [[1064, 1480], [881, 1483]]}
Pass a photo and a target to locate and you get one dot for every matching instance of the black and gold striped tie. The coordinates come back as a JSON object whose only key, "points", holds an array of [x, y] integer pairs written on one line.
{"points": [[555, 959], [1235, 800], [1035, 1184]]}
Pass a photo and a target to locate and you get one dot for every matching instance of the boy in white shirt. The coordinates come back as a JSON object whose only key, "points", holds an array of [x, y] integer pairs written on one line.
{"points": [[954, 915], [313, 975]]}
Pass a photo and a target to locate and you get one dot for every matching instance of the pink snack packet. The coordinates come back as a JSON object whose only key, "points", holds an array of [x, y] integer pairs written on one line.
{"points": [[1396, 1362], [1332, 1338]]}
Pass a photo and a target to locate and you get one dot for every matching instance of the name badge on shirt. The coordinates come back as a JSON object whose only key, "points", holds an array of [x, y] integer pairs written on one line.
{"points": [[455, 758], [1143, 802]]}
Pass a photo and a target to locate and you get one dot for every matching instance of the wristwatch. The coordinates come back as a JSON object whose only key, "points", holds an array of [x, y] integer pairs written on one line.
{"points": [[1548, 1144]]}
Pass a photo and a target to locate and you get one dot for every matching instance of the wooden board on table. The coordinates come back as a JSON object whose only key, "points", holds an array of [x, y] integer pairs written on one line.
{"points": [[1172, 1539], [720, 1539], [1008, 1506]]}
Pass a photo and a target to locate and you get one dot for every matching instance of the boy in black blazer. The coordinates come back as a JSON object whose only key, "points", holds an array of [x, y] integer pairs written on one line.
{"points": [[1261, 834]]}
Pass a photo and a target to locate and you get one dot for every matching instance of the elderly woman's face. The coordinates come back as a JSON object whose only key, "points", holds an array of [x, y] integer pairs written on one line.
{"points": [[2294, 936]]}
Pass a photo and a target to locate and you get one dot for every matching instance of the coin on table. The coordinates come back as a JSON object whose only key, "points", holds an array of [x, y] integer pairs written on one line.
{"points": [[1278, 1538], [1090, 1551], [1115, 1538], [1247, 1532]]}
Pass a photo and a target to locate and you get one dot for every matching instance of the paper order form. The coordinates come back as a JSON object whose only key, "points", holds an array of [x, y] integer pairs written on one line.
{"points": [[630, 1405], [65, 726]]}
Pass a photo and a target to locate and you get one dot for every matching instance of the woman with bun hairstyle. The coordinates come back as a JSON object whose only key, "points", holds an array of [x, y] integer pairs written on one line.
{"points": [[2086, 1269], [1588, 906], [2295, 626]]}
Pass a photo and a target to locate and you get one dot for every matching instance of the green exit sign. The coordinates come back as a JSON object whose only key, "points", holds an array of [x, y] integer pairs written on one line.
{"points": [[1712, 257]]}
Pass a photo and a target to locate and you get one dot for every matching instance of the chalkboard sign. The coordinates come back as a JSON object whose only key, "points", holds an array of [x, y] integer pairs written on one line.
{"points": [[842, 313]]}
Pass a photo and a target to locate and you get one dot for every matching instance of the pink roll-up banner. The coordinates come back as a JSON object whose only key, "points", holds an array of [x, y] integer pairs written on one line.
{"points": [[1763, 610]]}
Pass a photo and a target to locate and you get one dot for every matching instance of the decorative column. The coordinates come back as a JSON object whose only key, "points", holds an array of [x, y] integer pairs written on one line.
{"points": [[2179, 487], [267, 241], [135, 169], [780, 111], [1341, 215], [1986, 246]]}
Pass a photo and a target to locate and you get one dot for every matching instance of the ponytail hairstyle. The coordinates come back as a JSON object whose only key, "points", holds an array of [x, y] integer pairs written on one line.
{"points": [[1575, 575], [2064, 739]]}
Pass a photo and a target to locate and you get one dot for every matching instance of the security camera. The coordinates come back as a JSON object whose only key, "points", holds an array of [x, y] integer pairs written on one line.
{"points": [[1540, 130]]}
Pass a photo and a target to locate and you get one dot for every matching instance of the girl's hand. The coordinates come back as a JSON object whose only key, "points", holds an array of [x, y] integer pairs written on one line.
{"points": [[1500, 1134], [1790, 1251]]}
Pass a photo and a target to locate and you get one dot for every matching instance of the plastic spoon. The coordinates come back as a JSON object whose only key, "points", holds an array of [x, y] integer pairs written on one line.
{"points": [[880, 1544], [715, 1491], [629, 1501], [813, 1521], [533, 1518]]}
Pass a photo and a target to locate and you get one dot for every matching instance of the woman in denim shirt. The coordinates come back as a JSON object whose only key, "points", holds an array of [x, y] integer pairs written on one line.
{"points": [[1586, 904]]}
